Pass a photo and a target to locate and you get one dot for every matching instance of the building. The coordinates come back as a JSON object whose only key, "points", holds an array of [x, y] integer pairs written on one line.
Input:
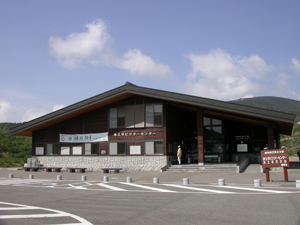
{"points": [[140, 128]]}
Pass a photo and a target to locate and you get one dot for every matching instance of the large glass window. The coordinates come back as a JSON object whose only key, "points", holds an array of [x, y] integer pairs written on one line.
{"points": [[154, 115], [127, 116], [52, 149], [91, 149], [117, 148], [154, 147], [213, 129], [158, 148]]}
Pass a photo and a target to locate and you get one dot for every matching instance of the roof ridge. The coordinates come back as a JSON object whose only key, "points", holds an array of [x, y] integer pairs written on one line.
{"points": [[129, 84]]}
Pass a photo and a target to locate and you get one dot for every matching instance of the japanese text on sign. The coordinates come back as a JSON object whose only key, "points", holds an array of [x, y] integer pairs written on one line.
{"points": [[275, 158]]}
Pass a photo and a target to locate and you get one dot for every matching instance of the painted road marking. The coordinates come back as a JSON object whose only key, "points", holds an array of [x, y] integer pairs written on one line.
{"points": [[147, 187], [256, 189], [111, 187], [194, 188], [55, 213], [199, 189], [77, 187]]}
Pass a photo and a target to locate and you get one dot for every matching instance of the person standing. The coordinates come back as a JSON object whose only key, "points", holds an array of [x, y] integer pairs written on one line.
{"points": [[179, 154], [298, 154]]}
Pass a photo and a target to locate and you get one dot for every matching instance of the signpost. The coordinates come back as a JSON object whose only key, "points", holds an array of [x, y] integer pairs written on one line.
{"points": [[275, 158]]}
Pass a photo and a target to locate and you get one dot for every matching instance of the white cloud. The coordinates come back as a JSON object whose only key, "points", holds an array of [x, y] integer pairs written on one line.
{"points": [[58, 107], [5, 111], [296, 65], [11, 113], [77, 48], [141, 65], [219, 75], [31, 114], [93, 47]]}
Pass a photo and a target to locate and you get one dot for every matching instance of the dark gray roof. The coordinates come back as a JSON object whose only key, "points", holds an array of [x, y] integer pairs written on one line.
{"points": [[283, 121]]}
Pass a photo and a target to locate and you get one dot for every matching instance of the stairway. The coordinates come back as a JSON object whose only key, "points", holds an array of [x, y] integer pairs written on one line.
{"points": [[208, 167]]}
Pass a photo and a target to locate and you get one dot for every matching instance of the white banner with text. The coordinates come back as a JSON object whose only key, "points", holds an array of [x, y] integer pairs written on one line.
{"points": [[83, 138]]}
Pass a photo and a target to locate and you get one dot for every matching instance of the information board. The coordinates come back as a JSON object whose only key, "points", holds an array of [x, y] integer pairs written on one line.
{"points": [[275, 158]]}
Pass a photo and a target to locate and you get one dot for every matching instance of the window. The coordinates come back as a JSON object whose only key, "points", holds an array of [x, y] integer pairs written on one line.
{"points": [[117, 117], [91, 149], [153, 115], [65, 150], [129, 116], [212, 129], [158, 148], [39, 150], [52, 149], [154, 147], [118, 148], [77, 150], [121, 117]]}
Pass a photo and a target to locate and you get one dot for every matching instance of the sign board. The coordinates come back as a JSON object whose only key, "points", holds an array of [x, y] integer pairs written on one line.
{"points": [[242, 148], [83, 138], [275, 158], [135, 150]]}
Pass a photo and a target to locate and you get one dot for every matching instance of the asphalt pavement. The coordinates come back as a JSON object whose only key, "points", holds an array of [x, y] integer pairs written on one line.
{"points": [[231, 177]]}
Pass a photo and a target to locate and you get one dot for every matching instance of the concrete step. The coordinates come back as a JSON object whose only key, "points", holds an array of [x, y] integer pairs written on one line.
{"points": [[203, 168]]}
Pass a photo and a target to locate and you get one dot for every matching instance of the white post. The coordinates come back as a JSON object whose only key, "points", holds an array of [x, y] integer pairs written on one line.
{"points": [[257, 183], [297, 183], [129, 179], [59, 177], [155, 180], [186, 181], [83, 178], [10, 176], [221, 182], [105, 178]]}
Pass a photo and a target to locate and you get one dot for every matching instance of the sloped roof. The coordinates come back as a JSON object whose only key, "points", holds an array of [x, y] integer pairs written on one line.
{"points": [[283, 121]]}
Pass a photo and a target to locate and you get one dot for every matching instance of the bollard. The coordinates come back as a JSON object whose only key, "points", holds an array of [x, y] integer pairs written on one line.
{"points": [[31, 176], [83, 178], [10, 176], [257, 183], [186, 181], [297, 183], [59, 177], [129, 179], [221, 182], [155, 180], [105, 178]]}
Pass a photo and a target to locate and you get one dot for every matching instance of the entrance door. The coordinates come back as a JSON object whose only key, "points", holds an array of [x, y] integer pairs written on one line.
{"points": [[212, 151]]}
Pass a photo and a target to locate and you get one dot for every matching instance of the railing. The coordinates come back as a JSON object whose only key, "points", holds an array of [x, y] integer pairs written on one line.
{"points": [[242, 165]]}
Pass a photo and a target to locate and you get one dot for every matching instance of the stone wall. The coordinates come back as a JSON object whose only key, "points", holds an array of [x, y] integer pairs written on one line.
{"points": [[131, 163]]}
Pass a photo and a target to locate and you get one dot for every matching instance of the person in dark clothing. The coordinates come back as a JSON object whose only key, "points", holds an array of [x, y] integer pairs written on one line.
{"points": [[298, 154]]}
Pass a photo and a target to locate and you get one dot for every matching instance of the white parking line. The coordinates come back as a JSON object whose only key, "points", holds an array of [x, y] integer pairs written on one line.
{"points": [[32, 216], [111, 187], [147, 187], [199, 189], [77, 187], [56, 213], [256, 189]]}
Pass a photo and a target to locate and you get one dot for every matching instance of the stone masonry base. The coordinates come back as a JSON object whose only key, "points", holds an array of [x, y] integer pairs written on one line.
{"points": [[131, 163]]}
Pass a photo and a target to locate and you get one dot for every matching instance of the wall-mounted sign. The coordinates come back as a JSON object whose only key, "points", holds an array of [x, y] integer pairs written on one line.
{"points": [[129, 134], [135, 150], [242, 137], [83, 138], [275, 158], [242, 148]]}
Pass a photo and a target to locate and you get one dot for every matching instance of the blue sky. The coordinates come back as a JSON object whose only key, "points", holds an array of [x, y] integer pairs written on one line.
{"points": [[56, 53]]}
